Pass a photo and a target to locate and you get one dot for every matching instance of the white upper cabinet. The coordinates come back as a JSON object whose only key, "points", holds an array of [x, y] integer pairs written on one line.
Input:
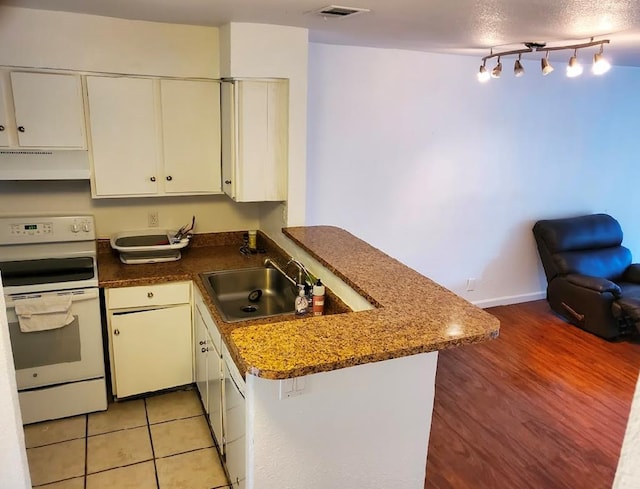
{"points": [[152, 137], [124, 136], [254, 139], [191, 136], [44, 110], [4, 118]]}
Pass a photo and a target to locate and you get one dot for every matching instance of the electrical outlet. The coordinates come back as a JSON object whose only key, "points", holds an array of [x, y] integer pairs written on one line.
{"points": [[292, 387], [154, 219]]}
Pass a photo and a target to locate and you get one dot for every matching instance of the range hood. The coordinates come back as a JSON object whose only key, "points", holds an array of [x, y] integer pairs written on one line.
{"points": [[24, 164]]}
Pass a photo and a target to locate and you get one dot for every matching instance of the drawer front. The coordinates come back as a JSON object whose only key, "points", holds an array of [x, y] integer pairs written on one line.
{"points": [[149, 295]]}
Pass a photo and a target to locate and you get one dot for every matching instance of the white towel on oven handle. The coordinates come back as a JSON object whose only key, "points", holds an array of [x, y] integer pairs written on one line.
{"points": [[43, 313]]}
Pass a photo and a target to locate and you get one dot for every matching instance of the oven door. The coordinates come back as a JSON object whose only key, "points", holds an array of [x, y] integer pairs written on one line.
{"points": [[67, 354]]}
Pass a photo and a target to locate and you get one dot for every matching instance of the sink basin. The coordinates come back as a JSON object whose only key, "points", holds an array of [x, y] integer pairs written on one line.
{"points": [[250, 293]]}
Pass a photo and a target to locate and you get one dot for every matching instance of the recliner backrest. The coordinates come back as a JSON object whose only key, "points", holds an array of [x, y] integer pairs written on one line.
{"points": [[589, 245]]}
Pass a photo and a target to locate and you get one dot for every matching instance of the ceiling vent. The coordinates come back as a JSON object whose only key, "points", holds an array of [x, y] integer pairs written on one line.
{"points": [[338, 12]]}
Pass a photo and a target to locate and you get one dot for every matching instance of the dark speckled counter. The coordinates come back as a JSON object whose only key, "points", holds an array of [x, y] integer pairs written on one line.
{"points": [[412, 313]]}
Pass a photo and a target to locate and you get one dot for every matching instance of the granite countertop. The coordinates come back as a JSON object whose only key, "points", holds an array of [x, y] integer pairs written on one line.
{"points": [[411, 315]]}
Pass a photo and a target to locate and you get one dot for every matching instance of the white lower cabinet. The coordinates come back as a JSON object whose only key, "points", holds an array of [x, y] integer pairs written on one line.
{"points": [[150, 340], [234, 421], [200, 337], [214, 394], [208, 362], [222, 390]]}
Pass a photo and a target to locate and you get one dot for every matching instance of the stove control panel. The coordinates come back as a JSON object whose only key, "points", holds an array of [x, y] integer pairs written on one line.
{"points": [[31, 229], [15, 230]]}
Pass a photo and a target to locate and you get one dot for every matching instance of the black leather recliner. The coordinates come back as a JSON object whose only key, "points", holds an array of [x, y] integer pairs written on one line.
{"points": [[591, 281]]}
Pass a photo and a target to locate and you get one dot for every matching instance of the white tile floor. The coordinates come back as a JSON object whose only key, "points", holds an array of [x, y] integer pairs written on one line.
{"points": [[160, 442]]}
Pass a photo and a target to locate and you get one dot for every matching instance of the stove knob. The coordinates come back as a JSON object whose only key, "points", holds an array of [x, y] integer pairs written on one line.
{"points": [[75, 228]]}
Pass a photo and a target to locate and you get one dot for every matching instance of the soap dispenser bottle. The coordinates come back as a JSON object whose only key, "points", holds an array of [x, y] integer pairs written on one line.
{"points": [[318, 299], [301, 303]]}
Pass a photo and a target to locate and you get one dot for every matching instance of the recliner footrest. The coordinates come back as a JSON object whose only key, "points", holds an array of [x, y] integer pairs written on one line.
{"points": [[631, 308]]}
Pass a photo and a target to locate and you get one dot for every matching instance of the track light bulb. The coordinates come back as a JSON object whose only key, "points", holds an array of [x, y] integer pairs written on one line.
{"points": [[600, 64], [546, 66], [497, 70], [518, 69], [574, 68], [483, 74]]}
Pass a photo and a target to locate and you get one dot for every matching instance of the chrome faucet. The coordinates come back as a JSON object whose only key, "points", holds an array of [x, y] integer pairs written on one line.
{"points": [[268, 262], [303, 273], [302, 270]]}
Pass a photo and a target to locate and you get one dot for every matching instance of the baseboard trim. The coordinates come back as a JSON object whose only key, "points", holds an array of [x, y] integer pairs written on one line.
{"points": [[510, 299]]}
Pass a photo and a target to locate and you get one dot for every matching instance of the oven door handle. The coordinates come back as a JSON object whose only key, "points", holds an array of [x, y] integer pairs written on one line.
{"points": [[83, 295]]}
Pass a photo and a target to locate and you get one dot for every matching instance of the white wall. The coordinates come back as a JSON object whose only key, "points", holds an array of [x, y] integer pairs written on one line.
{"points": [[628, 474], [214, 213], [408, 151], [13, 457], [41, 38], [260, 50]]}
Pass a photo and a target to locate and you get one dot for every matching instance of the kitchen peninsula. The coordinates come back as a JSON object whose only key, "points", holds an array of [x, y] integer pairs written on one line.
{"points": [[363, 380]]}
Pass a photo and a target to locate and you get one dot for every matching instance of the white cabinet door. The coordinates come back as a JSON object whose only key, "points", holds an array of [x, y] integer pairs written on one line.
{"points": [[234, 428], [151, 349], [228, 132], [48, 110], [191, 136], [254, 139], [214, 389], [200, 357], [4, 115], [124, 136]]}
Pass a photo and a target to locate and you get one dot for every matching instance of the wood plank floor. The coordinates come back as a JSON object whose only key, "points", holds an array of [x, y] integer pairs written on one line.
{"points": [[543, 406]]}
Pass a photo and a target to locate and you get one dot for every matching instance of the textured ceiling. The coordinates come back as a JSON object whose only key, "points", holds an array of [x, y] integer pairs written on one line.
{"points": [[449, 26]]}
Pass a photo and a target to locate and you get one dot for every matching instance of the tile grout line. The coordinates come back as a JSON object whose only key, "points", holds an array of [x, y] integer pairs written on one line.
{"points": [[86, 450], [57, 442], [153, 453], [117, 430], [172, 420], [192, 450], [102, 471]]}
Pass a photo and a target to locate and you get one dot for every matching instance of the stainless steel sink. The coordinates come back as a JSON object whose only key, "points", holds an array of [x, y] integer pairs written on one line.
{"points": [[250, 293]]}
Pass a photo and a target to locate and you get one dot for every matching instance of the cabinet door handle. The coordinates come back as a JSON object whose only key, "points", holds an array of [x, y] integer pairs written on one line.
{"points": [[205, 350], [116, 332], [150, 295], [227, 182], [202, 343], [169, 178], [20, 128], [1, 128]]}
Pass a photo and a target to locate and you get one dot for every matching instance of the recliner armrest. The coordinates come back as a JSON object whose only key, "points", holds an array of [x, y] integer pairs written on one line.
{"points": [[632, 273], [598, 284]]}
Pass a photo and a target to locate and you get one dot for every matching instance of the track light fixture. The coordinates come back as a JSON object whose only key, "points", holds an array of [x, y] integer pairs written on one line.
{"points": [[600, 64]]}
